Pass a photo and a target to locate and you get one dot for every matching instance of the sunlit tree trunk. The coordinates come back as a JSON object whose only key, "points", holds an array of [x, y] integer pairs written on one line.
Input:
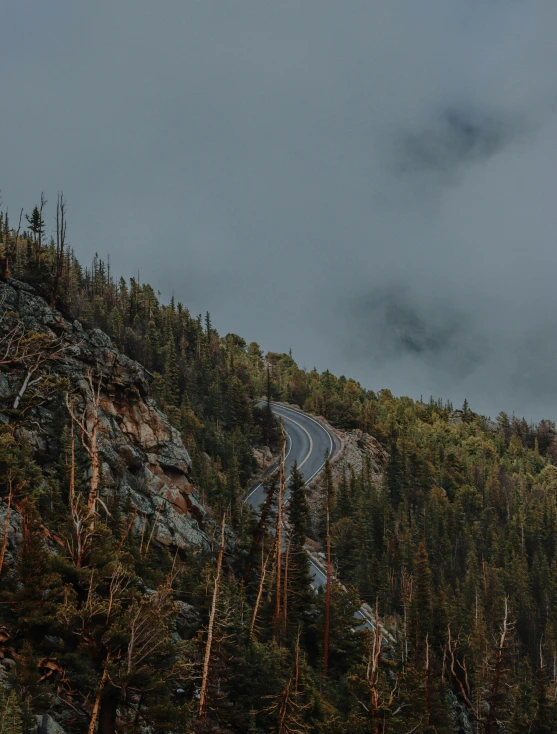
{"points": [[207, 660]]}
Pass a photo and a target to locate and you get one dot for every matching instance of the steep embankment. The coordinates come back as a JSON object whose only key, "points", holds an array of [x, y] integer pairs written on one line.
{"points": [[142, 456]]}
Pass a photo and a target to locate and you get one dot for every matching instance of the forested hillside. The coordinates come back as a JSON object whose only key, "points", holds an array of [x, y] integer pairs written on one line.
{"points": [[110, 624]]}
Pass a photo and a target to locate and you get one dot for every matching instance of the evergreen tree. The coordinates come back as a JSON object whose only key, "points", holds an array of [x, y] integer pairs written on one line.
{"points": [[11, 720], [544, 720], [299, 571], [328, 497], [33, 601], [422, 604]]}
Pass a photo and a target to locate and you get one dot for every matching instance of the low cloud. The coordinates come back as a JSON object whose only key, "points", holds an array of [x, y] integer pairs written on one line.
{"points": [[454, 139], [370, 185]]}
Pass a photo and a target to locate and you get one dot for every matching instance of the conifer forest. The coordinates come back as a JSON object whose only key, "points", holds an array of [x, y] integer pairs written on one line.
{"points": [[140, 593]]}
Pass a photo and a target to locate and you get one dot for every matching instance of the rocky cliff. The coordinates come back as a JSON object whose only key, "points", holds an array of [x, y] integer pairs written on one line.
{"points": [[142, 456]]}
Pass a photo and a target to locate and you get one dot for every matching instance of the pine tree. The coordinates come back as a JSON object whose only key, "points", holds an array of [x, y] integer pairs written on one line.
{"points": [[171, 376], [544, 721], [37, 227], [11, 720], [233, 492], [465, 411], [299, 572], [394, 474], [343, 500], [422, 604], [33, 602]]}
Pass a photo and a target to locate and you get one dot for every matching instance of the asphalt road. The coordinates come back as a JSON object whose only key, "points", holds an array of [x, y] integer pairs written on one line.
{"points": [[307, 442]]}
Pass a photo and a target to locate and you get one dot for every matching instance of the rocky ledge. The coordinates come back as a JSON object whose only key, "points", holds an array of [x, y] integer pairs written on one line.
{"points": [[142, 455]]}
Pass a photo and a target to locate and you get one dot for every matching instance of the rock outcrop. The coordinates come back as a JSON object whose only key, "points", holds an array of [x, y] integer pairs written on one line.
{"points": [[142, 456], [357, 449]]}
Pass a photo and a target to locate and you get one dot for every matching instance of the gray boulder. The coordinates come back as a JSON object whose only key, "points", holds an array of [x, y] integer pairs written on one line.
{"points": [[47, 725]]}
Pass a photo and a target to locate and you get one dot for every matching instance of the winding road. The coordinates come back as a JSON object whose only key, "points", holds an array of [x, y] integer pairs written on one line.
{"points": [[307, 442]]}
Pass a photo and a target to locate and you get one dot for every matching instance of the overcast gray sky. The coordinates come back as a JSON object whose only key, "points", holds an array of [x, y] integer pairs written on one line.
{"points": [[372, 184]]}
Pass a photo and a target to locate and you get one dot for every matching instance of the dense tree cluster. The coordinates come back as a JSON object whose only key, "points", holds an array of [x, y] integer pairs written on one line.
{"points": [[455, 549]]}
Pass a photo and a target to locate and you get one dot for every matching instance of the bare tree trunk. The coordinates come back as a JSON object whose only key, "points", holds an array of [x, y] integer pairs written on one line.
{"points": [[88, 425], [285, 592], [328, 600], [131, 522], [6, 529], [97, 704], [283, 710], [207, 660], [155, 521], [491, 716], [71, 491], [143, 534], [95, 467], [259, 593], [278, 537], [372, 672]]}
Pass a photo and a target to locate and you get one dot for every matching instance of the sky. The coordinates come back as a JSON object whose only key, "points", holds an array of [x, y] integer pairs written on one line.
{"points": [[370, 184]]}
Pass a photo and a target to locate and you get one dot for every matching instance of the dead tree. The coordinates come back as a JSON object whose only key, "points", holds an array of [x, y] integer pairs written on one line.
{"points": [[460, 677], [7, 522], [18, 347], [487, 694], [155, 521], [259, 593], [287, 704], [328, 598], [285, 591], [498, 664], [80, 543], [134, 655], [407, 595], [60, 251], [88, 426], [71, 489], [29, 352], [97, 704], [278, 543], [127, 531], [378, 701], [207, 659], [119, 582]]}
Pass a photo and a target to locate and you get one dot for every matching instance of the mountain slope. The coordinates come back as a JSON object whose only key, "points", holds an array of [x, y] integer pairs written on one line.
{"points": [[141, 453]]}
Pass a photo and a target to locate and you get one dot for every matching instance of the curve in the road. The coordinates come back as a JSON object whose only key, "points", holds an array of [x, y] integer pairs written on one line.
{"points": [[308, 441]]}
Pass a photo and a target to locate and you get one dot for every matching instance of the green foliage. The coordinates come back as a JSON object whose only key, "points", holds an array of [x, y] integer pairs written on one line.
{"points": [[298, 519], [11, 720], [462, 526]]}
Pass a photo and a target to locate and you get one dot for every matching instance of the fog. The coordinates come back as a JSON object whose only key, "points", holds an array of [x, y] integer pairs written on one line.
{"points": [[369, 184]]}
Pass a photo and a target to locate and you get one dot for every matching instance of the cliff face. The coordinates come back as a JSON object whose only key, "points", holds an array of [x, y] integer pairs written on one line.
{"points": [[142, 456]]}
